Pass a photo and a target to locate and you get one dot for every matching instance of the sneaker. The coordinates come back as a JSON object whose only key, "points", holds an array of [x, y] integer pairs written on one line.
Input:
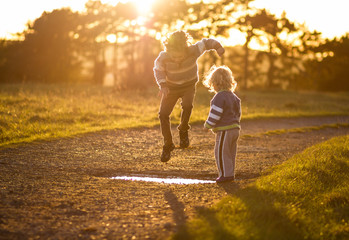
{"points": [[183, 139], [166, 152], [225, 179]]}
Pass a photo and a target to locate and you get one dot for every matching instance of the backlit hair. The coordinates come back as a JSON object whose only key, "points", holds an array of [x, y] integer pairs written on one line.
{"points": [[177, 41], [219, 78]]}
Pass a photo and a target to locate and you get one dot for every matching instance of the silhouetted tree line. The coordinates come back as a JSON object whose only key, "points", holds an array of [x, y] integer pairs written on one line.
{"points": [[72, 47]]}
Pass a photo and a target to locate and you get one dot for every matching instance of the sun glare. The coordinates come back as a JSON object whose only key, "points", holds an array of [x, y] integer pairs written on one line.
{"points": [[143, 6], [112, 38]]}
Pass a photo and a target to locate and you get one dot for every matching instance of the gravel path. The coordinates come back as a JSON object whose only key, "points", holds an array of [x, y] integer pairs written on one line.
{"points": [[62, 189]]}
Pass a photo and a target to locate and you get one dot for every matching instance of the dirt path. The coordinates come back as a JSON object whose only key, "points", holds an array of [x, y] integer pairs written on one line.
{"points": [[61, 189]]}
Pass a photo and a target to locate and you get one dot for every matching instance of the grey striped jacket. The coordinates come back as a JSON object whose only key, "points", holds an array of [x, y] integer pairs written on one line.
{"points": [[176, 75]]}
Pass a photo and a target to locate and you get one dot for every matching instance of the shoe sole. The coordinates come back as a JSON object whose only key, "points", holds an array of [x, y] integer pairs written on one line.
{"points": [[170, 155], [225, 180]]}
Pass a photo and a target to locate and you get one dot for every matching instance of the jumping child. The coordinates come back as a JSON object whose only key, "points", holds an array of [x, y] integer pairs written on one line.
{"points": [[176, 73], [224, 120]]}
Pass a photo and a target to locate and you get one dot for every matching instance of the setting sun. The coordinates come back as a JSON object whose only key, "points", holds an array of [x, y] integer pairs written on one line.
{"points": [[143, 6], [17, 13]]}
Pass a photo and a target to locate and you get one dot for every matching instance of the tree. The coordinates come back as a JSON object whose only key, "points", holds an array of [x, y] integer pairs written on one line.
{"points": [[211, 19], [329, 70], [91, 37], [286, 45], [121, 20], [165, 14], [246, 24], [49, 48], [47, 53], [11, 61], [268, 30], [300, 51]]}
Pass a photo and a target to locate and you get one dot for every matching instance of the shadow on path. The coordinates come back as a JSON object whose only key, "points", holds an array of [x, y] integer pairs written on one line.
{"points": [[177, 207]]}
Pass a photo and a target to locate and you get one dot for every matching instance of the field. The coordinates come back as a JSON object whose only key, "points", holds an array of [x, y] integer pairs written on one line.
{"points": [[61, 187], [43, 112]]}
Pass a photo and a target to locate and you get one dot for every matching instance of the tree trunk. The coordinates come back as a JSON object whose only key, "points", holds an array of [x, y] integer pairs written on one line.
{"points": [[244, 86]]}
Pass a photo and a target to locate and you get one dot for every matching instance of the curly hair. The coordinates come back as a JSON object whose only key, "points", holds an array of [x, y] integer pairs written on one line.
{"points": [[219, 78], [177, 41]]}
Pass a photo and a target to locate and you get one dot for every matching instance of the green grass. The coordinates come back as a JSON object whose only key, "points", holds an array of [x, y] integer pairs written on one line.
{"points": [[39, 112], [297, 130], [266, 104], [32, 112], [306, 129], [307, 197]]}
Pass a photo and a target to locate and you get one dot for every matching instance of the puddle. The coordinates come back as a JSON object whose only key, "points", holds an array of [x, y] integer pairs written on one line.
{"points": [[164, 180]]}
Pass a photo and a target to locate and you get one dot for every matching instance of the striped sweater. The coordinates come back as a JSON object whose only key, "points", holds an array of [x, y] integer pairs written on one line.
{"points": [[177, 75], [225, 112]]}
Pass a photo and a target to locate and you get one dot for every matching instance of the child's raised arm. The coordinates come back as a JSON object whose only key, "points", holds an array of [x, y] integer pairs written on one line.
{"points": [[210, 44]]}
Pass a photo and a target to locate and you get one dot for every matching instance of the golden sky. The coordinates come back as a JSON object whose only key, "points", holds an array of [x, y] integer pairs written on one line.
{"points": [[328, 17]]}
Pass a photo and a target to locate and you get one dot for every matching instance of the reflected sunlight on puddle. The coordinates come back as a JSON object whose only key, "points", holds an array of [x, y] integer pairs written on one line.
{"points": [[164, 180]]}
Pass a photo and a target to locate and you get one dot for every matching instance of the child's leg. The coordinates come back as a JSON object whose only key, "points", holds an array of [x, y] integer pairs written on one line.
{"points": [[230, 152], [216, 154], [166, 106], [225, 152], [187, 106]]}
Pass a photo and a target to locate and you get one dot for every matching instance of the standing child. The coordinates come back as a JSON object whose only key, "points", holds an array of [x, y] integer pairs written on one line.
{"points": [[176, 73], [224, 120]]}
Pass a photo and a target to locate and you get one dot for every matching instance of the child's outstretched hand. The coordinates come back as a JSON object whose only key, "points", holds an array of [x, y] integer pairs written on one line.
{"points": [[220, 51]]}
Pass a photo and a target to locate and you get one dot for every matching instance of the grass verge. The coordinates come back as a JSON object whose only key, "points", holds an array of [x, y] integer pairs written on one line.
{"points": [[298, 130], [307, 197]]}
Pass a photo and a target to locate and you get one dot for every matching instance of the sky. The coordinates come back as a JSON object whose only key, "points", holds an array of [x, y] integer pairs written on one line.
{"points": [[329, 17]]}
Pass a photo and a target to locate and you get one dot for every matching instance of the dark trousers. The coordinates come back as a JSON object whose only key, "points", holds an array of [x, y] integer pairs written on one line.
{"points": [[166, 107]]}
